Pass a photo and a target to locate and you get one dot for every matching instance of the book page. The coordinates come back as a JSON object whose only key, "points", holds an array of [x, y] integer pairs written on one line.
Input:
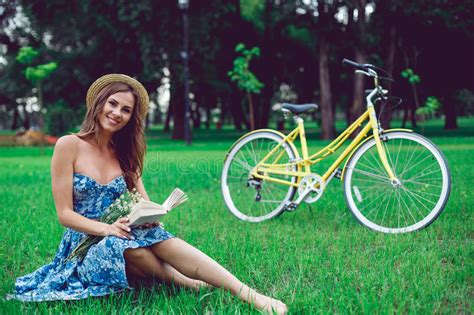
{"points": [[176, 198], [149, 212]]}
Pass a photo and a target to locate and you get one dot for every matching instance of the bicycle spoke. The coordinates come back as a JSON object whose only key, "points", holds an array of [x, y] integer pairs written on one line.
{"points": [[425, 184], [269, 201], [378, 172], [382, 178], [426, 193], [422, 174], [417, 208], [374, 182], [381, 202], [418, 196], [372, 202], [398, 153], [243, 162], [413, 166], [386, 207], [408, 160], [377, 159], [389, 157]]}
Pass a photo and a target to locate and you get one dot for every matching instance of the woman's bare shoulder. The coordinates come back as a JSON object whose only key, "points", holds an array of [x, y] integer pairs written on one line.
{"points": [[67, 144]]}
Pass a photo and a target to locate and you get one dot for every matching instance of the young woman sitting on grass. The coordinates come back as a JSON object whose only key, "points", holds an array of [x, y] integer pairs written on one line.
{"points": [[89, 171]]}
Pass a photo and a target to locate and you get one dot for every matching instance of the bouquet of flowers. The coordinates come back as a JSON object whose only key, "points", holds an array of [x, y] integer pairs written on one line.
{"points": [[121, 207]]}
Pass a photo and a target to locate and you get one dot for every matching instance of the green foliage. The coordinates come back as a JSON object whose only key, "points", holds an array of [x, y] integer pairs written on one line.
{"points": [[37, 73], [431, 106], [412, 77], [246, 80], [252, 11], [41, 72], [301, 34], [60, 118], [27, 55], [465, 99]]}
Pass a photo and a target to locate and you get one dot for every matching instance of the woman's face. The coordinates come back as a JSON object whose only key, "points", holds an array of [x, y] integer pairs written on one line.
{"points": [[117, 111]]}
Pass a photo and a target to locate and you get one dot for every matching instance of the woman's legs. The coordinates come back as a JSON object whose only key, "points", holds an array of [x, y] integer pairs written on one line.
{"points": [[141, 263], [195, 264]]}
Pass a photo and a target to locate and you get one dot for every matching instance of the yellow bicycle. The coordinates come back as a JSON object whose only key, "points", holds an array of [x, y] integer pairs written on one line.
{"points": [[395, 181]]}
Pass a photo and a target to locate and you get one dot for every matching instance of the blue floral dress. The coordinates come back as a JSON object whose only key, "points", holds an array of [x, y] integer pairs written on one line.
{"points": [[102, 271]]}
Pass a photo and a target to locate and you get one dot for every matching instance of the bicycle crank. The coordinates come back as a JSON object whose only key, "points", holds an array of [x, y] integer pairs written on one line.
{"points": [[310, 188]]}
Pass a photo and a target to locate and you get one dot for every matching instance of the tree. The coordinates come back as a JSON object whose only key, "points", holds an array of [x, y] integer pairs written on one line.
{"points": [[246, 80], [410, 111], [36, 74], [360, 36], [325, 26]]}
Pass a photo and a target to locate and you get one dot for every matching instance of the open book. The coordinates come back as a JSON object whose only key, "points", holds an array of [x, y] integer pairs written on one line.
{"points": [[149, 212]]}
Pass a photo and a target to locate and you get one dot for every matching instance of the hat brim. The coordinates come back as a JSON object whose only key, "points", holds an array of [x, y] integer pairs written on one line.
{"points": [[102, 82]]}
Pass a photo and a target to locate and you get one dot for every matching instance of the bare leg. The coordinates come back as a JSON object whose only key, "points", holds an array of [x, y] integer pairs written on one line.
{"points": [[141, 263], [195, 264], [134, 275]]}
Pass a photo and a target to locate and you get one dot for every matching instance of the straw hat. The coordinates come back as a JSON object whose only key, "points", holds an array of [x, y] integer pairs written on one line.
{"points": [[105, 80]]}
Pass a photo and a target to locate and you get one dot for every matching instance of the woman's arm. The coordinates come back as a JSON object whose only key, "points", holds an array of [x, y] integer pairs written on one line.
{"points": [[140, 188], [62, 170]]}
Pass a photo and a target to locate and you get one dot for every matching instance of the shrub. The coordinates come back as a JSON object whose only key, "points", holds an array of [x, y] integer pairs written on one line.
{"points": [[60, 118]]}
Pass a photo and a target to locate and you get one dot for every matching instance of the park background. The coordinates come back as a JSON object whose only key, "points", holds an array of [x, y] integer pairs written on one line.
{"points": [[317, 259]]}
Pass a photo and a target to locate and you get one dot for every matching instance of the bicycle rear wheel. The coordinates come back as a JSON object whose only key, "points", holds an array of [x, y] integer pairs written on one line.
{"points": [[252, 199], [416, 203]]}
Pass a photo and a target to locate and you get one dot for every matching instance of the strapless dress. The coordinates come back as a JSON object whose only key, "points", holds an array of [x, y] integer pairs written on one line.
{"points": [[102, 271]]}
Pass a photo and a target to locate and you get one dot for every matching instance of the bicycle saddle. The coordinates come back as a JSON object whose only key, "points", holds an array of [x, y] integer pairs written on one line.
{"points": [[299, 108]]}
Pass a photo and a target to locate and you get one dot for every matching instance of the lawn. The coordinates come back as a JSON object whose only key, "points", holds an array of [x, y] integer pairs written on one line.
{"points": [[317, 259]]}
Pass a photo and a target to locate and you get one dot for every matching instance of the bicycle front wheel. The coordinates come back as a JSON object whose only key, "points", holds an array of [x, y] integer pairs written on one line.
{"points": [[425, 184], [253, 199]]}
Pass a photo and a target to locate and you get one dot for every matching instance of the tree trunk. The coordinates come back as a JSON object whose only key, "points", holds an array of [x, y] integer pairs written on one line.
{"points": [[386, 115], [360, 57], [196, 117], [26, 118], [359, 88], [450, 121], [40, 105], [236, 112], [263, 103], [252, 119], [177, 107], [208, 116], [16, 119], [169, 115], [405, 116], [327, 119], [411, 108]]}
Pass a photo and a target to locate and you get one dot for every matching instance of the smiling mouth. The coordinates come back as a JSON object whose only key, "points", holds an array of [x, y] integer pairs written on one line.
{"points": [[113, 121]]}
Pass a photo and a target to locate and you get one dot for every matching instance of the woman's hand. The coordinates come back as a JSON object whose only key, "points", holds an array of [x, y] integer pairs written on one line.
{"points": [[148, 225], [119, 229]]}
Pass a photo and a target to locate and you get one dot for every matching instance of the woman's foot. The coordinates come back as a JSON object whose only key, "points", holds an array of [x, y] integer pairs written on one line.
{"points": [[198, 285], [269, 305]]}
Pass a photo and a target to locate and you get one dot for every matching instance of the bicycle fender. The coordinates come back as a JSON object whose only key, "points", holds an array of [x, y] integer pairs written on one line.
{"points": [[367, 139], [282, 135]]}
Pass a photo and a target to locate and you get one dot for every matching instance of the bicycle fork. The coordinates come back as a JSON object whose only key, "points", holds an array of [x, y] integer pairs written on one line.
{"points": [[378, 143]]}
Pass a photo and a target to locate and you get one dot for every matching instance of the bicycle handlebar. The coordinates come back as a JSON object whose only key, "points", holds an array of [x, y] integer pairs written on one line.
{"points": [[360, 66]]}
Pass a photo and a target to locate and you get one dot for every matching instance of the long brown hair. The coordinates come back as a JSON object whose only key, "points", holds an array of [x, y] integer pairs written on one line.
{"points": [[129, 142]]}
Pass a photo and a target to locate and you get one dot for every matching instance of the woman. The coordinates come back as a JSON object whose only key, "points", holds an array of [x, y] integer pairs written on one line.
{"points": [[89, 171]]}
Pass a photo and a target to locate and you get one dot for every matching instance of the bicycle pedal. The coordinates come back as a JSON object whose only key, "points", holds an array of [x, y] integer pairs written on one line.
{"points": [[291, 207]]}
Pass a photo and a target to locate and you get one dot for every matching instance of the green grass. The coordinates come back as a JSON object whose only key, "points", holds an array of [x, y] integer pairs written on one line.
{"points": [[317, 259]]}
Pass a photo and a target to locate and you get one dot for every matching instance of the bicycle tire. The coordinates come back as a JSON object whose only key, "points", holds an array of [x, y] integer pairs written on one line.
{"points": [[413, 158], [241, 199]]}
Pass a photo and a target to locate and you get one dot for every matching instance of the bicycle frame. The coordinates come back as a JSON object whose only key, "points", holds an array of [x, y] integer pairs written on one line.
{"points": [[368, 119]]}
